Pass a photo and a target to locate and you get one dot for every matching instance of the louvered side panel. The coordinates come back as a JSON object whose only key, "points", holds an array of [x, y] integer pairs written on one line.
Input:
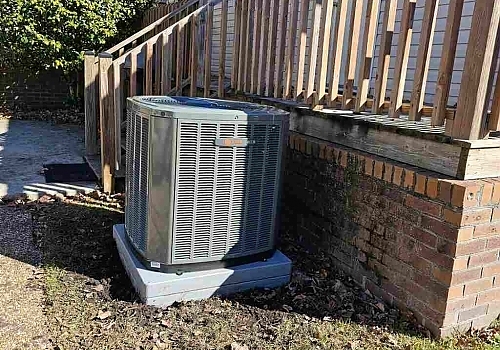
{"points": [[269, 189], [128, 174], [223, 193], [185, 192], [205, 190]]}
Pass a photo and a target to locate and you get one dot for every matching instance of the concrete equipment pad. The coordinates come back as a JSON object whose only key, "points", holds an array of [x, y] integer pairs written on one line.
{"points": [[25, 146], [163, 289]]}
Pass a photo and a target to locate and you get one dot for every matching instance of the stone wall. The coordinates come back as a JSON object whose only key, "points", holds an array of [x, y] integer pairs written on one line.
{"points": [[413, 238], [48, 90]]}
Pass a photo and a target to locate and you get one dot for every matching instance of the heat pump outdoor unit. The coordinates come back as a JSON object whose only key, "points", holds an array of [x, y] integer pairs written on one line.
{"points": [[202, 181]]}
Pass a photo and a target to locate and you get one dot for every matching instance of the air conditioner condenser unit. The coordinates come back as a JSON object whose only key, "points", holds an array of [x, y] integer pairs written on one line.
{"points": [[202, 181]]}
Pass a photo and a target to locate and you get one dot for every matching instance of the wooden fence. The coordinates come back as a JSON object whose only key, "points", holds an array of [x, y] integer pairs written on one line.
{"points": [[173, 55]]}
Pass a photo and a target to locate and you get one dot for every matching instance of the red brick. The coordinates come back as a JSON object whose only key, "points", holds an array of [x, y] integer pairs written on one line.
{"points": [[423, 205], [336, 154], [465, 234], [465, 276], [439, 227], [483, 258], [420, 184], [461, 304], [409, 179], [432, 188], [455, 292], [322, 151], [491, 270], [486, 193], [496, 214], [461, 263], [378, 169], [453, 217], [493, 243], [302, 144], [329, 153], [487, 230], [445, 191], [472, 313], [397, 177], [465, 194], [388, 168], [483, 321], [442, 275], [471, 247], [344, 156], [422, 236], [447, 247], [475, 287], [495, 198], [369, 166], [476, 216], [488, 296], [422, 265], [432, 255]]}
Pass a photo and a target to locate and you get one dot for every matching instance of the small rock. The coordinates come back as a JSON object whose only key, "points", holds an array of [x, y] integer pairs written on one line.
{"points": [[236, 346], [102, 315]]}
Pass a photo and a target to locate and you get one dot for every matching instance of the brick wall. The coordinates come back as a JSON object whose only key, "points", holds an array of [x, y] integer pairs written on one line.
{"points": [[414, 239], [46, 91]]}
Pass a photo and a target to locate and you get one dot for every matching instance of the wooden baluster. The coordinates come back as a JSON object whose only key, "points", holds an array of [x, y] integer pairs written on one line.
{"points": [[248, 45], [243, 48], [158, 65], [423, 59], [118, 115], [193, 75], [208, 51], [367, 48], [324, 48], [384, 55], [402, 55], [352, 53], [167, 48], [263, 47], [278, 77], [451, 33], [475, 88], [107, 124], [257, 24], [304, 15], [290, 49], [148, 69], [133, 74], [91, 70], [236, 45], [313, 53], [180, 59], [494, 121], [223, 49], [271, 47], [340, 26]]}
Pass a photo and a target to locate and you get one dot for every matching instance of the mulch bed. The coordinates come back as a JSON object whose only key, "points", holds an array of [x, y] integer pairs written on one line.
{"points": [[92, 305]]}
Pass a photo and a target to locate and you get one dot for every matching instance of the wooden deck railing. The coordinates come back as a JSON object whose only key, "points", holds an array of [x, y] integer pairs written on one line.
{"points": [[312, 48], [283, 49]]}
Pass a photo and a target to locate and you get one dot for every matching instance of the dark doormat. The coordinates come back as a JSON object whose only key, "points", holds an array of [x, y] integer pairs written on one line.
{"points": [[68, 173]]}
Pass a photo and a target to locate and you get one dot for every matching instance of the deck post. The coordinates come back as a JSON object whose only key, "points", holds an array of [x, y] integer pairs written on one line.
{"points": [[90, 98], [106, 104], [476, 84]]}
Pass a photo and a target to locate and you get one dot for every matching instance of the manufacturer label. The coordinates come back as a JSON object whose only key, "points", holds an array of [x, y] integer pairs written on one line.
{"points": [[233, 142], [155, 265]]}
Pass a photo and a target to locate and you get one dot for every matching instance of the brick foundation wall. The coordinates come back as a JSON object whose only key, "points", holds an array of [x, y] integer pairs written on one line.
{"points": [[418, 241], [46, 91]]}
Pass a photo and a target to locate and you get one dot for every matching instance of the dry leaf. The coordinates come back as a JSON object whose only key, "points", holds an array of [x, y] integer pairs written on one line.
{"points": [[103, 315]]}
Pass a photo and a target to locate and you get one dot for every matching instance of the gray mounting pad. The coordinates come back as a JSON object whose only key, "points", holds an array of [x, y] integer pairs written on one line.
{"points": [[163, 289]]}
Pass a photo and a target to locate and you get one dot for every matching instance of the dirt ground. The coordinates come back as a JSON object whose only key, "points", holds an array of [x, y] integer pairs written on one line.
{"points": [[89, 302]]}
